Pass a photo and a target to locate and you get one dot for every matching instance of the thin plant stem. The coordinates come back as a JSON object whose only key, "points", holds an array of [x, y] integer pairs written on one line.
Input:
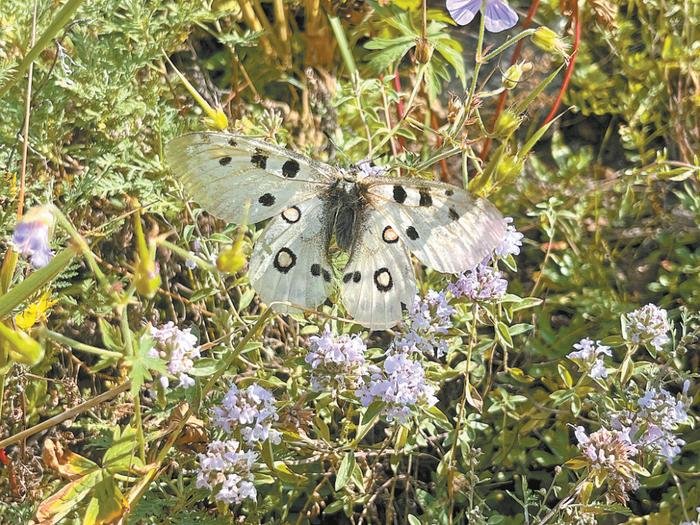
{"points": [[25, 129]]}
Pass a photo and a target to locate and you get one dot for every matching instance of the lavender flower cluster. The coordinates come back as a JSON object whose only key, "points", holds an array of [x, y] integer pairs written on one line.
{"points": [[337, 362], [177, 347], [588, 357], [609, 454], [226, 469], [483, 283], [31, 236], [401, 384], [251, 411], [653, 423], [649, 326], [428, 322]]}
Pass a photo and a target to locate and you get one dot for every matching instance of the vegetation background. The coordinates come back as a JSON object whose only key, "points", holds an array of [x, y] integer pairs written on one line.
{"points": [[606, 195]]}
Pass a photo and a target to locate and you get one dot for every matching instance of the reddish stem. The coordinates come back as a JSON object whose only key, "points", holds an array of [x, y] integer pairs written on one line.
{"points": [[570, 66], [516, 55]]}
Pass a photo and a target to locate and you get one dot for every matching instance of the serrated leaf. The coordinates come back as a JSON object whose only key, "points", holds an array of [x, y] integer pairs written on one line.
{"points": [[141, 364]]}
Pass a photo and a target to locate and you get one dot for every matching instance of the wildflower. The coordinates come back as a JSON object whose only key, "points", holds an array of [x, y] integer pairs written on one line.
{"points": [[511, 242], [338, 362], [654, 424], [179, 348], [226, 467], [31, 236], [648, 325], [483, 283], [401, 384], [498, 15], [427, 325], [588, 359], [609, 456], [252, 410]]}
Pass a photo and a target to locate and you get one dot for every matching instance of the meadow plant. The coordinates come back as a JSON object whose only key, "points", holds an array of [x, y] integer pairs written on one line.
{"points": [[143, 380]]}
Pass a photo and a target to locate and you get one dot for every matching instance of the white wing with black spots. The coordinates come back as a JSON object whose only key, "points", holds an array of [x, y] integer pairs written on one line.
{"points": [[227, 173], [378, 278], [442, 225], [289, 261]]}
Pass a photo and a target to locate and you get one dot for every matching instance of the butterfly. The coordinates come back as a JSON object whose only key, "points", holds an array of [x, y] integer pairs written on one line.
{"points": [[378, 220]]}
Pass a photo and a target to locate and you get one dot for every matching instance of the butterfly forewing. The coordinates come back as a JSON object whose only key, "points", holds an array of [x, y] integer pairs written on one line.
{"points": [[443, 226], [379, 275], [289, 261], [241, 179]]}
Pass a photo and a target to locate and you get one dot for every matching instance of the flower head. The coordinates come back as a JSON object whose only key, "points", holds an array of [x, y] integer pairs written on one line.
{"points": [[227, 469], [648, 325], [512, 242], [252, 411], [179, 348], [609, 456], [498, 15], [31, 236], [483, 283], [426, 326], [337, 362], [401, 384], [654, 422], [587, 357]]}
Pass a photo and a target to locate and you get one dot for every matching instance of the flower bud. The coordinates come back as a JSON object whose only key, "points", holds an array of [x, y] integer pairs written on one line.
{"points": [[549, 41], [19, 346], [514, 73], [146, 273], [507, 123], [508, 168], [232, 259], [424, 50]]}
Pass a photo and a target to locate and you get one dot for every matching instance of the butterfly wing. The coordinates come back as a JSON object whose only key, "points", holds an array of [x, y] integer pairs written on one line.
{"points": [[442, 225], [289, 261], [226, 173], [379, 275]]}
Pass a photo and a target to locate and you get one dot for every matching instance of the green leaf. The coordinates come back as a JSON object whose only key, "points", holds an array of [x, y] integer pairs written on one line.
{"points": [[121, 456], [369, 419], [412, 520], [58, 505], [141, 364], [345, 470]]}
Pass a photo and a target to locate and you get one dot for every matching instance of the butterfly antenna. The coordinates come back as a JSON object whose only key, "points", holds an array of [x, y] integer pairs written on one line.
{"points": [[334, 148]]}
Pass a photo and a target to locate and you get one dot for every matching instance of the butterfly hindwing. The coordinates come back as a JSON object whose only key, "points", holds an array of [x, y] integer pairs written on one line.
{"points": [[289, 261], [379, 275], [227, 173], [442, 225]]}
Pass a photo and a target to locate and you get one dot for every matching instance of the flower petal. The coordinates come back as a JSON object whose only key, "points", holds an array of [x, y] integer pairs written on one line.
{"points": [[499, 16], [463, 11]]}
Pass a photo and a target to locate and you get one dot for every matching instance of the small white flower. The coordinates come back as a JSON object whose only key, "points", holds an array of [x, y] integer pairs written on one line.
{"points": [[587, 357], [252, 410], [512, 242], [179, 348], [648, 325]]}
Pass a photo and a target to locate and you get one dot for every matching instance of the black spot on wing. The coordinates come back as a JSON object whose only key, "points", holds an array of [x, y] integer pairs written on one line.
{"points": [[290, 168], [412, 233], [356, 276], [347, 277], [285, 259], [232, 143], [425, 198], [315, 269], [399, 194], [449, 193], [292, 214], [453, 214], [389, 235], [225, 161], [383, 280], [259, 159], [268, 199], [326, 275]]}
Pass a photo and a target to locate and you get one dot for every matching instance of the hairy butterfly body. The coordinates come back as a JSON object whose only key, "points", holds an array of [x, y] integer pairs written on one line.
{"points": [[378, 220]]}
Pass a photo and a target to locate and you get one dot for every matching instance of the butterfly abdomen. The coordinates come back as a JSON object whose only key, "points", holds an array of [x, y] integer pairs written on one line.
{"points": [[344, 203]]}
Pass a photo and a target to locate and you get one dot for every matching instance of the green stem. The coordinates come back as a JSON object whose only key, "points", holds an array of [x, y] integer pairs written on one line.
{"points": [[77, 345], [507, 44], [186, 255]]}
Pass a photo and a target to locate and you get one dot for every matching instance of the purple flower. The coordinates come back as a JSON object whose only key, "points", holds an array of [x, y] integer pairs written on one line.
{"points": [[252, 410], [337, 362], [427, 326], [401, 384], [226, 468], [588, 359], [511, 242], [31, 236], [648, 325], [179, 348], [483, 283], [498, 15]]}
